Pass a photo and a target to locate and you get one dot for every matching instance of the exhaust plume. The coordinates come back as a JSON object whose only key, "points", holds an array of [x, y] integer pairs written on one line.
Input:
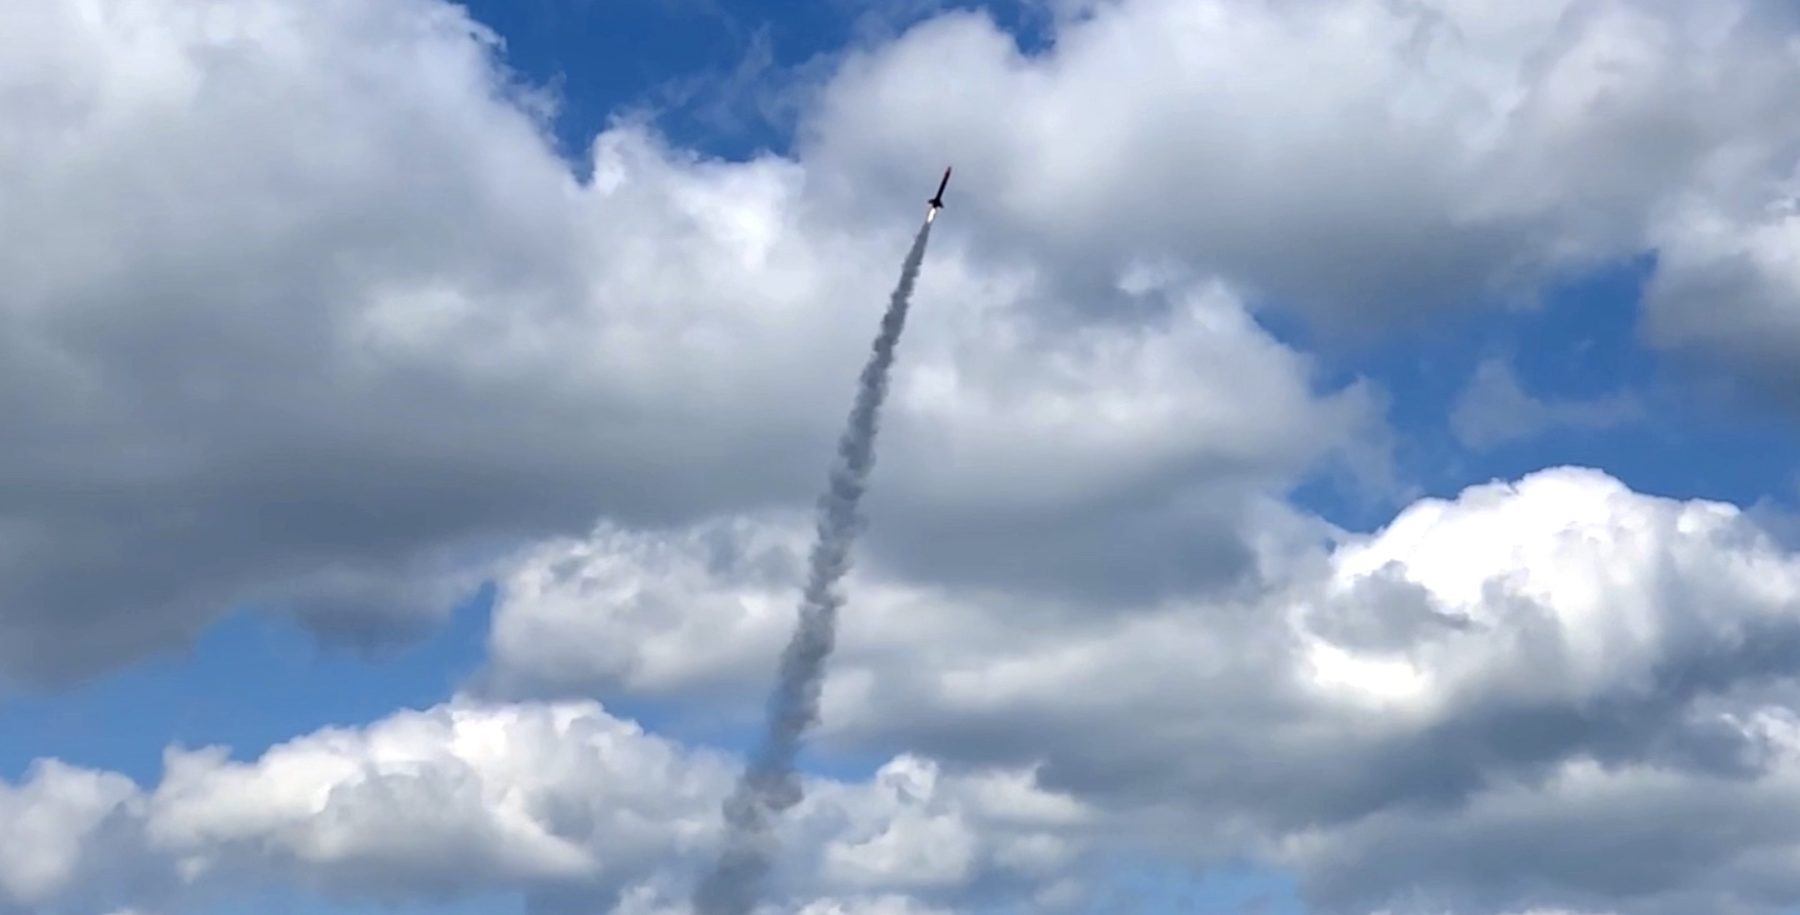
{"points": [[769, 784]]}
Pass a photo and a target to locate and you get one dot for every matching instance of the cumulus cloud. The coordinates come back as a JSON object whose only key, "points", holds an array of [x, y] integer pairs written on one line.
{"points": [[56, 825], [1349, 155], [1727, 283], [427, 803], [298, 307], [303, 310], [1362, 160], [1496, 702], [1481, 672], [563, 801]]}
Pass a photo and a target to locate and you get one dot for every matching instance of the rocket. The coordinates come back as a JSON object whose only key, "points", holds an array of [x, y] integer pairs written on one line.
{"points": [[937, 202]]}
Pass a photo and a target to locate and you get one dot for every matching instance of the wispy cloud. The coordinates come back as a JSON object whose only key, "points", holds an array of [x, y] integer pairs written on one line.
{"points": [[1495, 409]]}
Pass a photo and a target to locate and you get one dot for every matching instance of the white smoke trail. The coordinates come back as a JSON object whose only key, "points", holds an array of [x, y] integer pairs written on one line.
{"points": [[769, 784]]}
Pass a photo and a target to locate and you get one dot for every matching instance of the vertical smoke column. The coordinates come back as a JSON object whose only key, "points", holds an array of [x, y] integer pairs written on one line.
{"points": [[769, 784]]}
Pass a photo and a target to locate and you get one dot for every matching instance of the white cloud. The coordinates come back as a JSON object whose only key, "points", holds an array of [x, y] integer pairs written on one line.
{"points": [[879, 905], [212, 205], [1530, 677], [560, 801], [1728, 281], [50, 827], [1455, 662], [1362, 159], [1354, 154], [917, 830], [303, 310], [281, 271]]}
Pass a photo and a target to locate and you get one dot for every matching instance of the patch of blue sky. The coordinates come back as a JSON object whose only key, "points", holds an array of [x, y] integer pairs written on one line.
{"points": [[289, 902], [248, 682], [1136, 887], [1582, 342], [712, 75]]}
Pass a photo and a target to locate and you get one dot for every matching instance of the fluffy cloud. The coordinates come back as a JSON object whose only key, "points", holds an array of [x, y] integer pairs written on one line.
{"points": [[1496, 702], [1361, 159], [1727, 283], [1558, 656], [563, 801], [302, 309], [297, 307], [456, 797], [56, 827]]}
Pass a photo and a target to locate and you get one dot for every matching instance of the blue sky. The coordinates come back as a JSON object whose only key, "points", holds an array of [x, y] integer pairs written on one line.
{"points": [[1582, 342], [698, 66], [239, 501]]}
